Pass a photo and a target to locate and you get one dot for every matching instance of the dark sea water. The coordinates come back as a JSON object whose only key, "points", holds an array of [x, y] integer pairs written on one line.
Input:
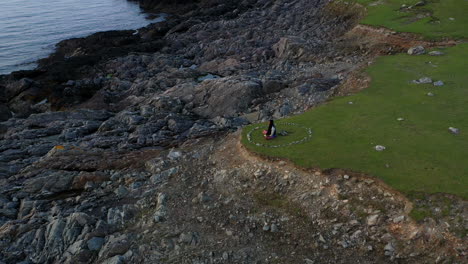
{"points": [[29, 29]]}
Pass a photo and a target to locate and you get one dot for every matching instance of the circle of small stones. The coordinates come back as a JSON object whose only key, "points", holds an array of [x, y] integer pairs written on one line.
{"points": [[309, 135]]}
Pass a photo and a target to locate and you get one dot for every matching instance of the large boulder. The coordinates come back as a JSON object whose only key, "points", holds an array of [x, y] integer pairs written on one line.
{"points": [[294, 48], [54, 182], [5, 112], [225, 96]]}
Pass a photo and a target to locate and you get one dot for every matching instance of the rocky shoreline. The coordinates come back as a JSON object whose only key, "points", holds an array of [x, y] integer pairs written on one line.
{"points": [[118, 148]]}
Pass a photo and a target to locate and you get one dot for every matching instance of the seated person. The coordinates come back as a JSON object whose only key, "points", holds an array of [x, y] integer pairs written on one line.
{"points": [[271, 132]]}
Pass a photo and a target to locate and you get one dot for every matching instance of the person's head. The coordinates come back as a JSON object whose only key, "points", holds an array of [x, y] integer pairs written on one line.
{"points": [[271, 121]]}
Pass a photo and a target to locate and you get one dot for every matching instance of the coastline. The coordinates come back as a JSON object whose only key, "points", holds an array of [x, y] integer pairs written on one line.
{"points": [[125, 146]]}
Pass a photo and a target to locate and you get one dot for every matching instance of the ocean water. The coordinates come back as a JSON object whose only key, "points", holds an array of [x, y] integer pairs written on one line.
{"points": [[29, 29]]}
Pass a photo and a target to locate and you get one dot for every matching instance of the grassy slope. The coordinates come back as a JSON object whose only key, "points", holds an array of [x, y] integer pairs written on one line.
{"points": [[421, 154], [387, 13]]}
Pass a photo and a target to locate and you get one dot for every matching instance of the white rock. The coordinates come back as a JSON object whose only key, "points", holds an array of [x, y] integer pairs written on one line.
{"points": [[418, 50], [400, 119], [346, 177], [438, 83], [372, 219], [430, 94], [321, 239], [398, 219], [423, 80], [379, 148], [389, 247], [173, 154], [454, 130]]}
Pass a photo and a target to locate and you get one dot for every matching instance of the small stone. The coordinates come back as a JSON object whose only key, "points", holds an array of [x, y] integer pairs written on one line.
{"points": [[436, 53], [368, 181], [430, 94], [118, 259], [95, 243], [346, 177], [121, 191], [372, 220], [350, 103], [398, 219], [370, 248], [418, 50], [344, 244], [389, 247], [379, 148], [174, 154], [451, 19], [420, 3], [321, 239], [400, 119], [454, 130], [423, 80], [225, 255], [203, 197], [438, 83], [266, 227], [274, 228]]}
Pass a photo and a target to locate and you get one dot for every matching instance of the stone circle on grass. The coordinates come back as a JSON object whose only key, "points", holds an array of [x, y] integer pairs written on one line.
{"points": [[307, 137]]}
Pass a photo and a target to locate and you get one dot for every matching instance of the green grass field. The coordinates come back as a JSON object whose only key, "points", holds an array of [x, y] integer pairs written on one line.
{"points": [[421, 154], [434, 20]]}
